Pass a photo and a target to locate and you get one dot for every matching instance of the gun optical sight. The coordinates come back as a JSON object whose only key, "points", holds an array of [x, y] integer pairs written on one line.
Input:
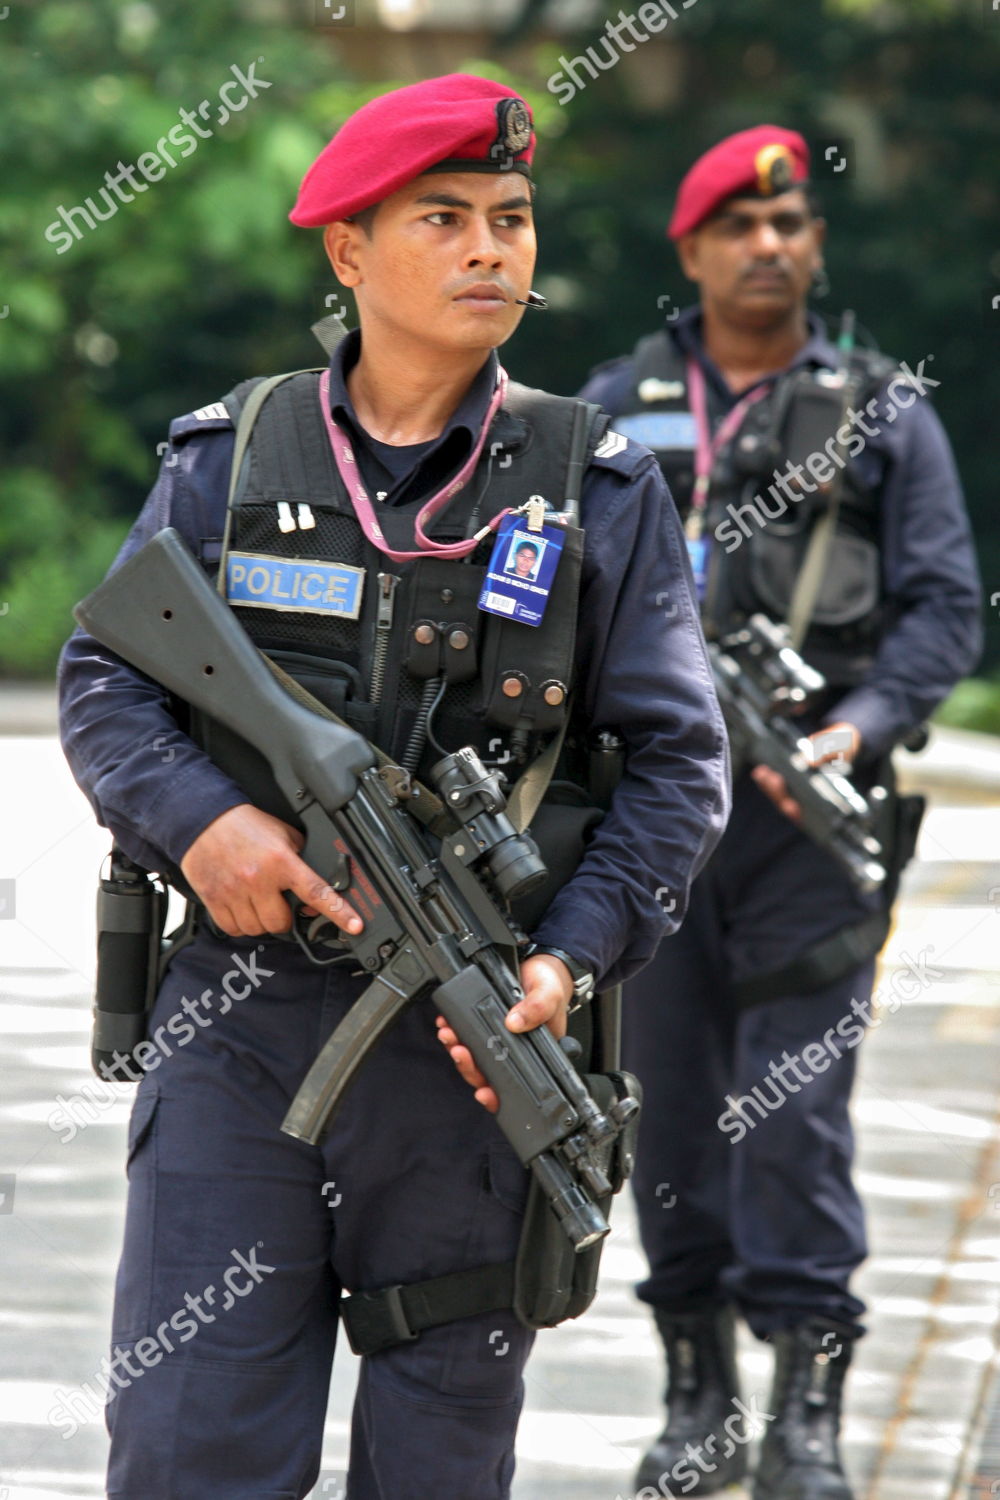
{"points": [[472, 794]]}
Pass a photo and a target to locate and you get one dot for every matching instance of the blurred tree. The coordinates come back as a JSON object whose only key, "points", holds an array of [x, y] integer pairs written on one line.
{"points": [[164, 305]]}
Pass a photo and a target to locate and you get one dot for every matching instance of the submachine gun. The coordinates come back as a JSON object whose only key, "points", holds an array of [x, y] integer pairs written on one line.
{"points": [[427, 894], [761, 680]]}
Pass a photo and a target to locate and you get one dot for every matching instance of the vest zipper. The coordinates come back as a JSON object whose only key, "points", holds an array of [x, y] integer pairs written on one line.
{"points": [[387, 583]]}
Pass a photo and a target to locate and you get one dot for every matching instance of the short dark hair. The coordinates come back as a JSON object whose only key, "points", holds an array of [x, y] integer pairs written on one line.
{"points": [[527, 547], [366, 218]]}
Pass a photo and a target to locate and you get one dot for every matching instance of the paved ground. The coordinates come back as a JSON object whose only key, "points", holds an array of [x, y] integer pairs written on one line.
{"points": [[930, 1172]]}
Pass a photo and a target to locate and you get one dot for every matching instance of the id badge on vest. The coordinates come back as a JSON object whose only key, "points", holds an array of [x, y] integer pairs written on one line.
{"points": [[521, 571]]}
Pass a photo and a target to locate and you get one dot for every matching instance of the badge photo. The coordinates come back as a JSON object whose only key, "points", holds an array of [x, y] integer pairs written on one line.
{"points": [[521, 571]]}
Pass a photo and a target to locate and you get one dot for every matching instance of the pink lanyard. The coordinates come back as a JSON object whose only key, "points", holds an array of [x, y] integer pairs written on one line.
{"points": [[347, 467], [709, 447]]}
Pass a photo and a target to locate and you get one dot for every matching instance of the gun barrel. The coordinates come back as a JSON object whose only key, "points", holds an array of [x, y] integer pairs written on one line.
{"points": [[582, 1221]]}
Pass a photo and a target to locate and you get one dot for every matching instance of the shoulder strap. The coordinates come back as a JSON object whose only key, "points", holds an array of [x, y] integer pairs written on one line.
{"points": [[246, 412], [868, 370], [589, 425], [810, 576]]}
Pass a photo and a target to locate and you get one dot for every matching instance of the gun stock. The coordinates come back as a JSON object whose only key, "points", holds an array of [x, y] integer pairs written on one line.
{"points": [[159, 612]]}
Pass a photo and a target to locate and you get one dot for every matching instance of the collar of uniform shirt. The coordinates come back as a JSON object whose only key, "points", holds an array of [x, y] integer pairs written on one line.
{"points": [[817, 350], [434, 465]]}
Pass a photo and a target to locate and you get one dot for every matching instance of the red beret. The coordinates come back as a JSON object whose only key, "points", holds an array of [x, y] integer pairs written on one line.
{"points": [[459, 123], [765, 160]]}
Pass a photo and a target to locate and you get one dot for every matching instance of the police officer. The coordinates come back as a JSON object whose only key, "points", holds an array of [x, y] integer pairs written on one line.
{"points": [[746, 1200], [354, 551]]}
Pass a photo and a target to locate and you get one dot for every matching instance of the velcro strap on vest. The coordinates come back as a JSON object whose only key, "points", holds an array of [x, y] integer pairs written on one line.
{"points": [[397, 1314], [832, 959]]}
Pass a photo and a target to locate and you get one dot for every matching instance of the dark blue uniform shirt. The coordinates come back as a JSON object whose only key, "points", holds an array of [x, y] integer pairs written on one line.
{"points": [[641, 667], [929, 571]]}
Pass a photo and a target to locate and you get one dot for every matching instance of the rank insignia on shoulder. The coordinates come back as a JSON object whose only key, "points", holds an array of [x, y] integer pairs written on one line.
{"points": [[610, 444], [215, 412]]}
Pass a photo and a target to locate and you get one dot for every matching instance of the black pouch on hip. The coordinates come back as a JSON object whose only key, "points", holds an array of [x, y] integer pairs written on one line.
{"points": [[551, 1281], [131, 912]]}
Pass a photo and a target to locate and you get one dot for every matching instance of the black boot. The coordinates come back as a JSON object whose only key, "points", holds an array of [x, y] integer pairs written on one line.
{"points": [[800, 1457], [702, 1386]]}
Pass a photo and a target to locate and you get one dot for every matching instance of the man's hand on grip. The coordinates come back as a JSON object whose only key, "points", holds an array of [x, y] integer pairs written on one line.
{"points": [[548, 990], [243, 862]]}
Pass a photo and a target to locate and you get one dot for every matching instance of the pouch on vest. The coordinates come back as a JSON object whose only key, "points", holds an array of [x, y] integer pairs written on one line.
{"points": [[795, 430], [561, 828]]}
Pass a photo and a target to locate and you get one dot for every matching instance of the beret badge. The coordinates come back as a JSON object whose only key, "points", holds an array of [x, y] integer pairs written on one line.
{"points": [[775, 170], [513, 129]]}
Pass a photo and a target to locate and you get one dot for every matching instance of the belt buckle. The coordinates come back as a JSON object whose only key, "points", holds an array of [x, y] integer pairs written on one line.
{"points": [[376, 1320]]}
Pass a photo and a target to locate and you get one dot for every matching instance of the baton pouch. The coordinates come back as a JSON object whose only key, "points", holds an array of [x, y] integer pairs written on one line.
{"points": [[131, 911], [551, 1281]]}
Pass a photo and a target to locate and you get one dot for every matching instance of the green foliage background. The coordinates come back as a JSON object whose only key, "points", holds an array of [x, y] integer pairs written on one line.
{"points": [[202, 280]]}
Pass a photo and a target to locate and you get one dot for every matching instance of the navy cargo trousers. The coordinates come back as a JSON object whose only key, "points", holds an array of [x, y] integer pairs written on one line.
{"points": [[743, 1172], [239, 1240]]}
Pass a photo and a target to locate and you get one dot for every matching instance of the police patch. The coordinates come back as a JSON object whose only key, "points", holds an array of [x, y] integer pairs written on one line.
{"points": [[660, 429], [300, 584], [610, 444]]}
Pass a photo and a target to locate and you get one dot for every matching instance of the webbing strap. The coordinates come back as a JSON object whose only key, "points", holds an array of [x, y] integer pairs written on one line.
{"points": [[531, 786], [244, 428], [832, 959], [810, 579], [397, 1314]]}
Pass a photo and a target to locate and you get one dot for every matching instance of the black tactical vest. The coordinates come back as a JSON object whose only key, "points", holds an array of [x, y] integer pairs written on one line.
{"points": [[754, 561], [417, 628]]}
